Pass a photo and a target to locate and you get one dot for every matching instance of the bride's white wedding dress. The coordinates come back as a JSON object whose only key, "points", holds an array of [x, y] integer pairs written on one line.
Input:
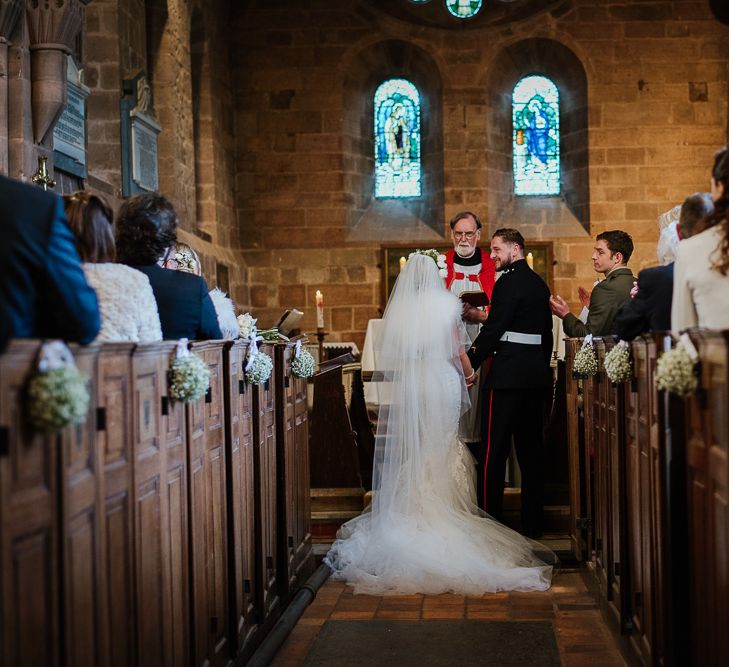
{"points": [[424, 533]]}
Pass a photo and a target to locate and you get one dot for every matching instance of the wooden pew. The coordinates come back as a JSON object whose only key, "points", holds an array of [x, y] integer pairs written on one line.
{"points": [[296, 557], [708, 503], [646, 538], [114, 451], [264, 462], [244, 581], [208, 514], [578, 458], [161, 534], [80, 531], [29, 524]]}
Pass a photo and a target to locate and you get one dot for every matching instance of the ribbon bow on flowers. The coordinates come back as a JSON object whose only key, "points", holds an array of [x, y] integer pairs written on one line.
{"points": [[259, 365]]}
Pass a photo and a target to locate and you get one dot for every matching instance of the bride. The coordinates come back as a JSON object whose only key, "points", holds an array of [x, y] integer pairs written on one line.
{"points": [[425, 533]]}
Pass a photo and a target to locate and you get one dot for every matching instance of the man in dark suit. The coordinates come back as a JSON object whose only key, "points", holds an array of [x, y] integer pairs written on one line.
{"points": [[43, 291], [650, 308], [518, 332], [145, 229]]}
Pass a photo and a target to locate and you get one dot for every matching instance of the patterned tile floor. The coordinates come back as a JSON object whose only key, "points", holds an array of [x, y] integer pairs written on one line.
{"points": [[582, 636]]}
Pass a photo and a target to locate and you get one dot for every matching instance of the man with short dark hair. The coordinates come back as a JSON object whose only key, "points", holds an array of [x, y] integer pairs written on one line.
{"points": [[518, 332], [609, 257]]}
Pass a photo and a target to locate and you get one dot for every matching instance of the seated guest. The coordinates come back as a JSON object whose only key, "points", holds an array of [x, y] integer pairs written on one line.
{"points": [[181, 257], [145, 229], [43, 292], [650, 309], [701, 274], [128, 309], [609, 257]]}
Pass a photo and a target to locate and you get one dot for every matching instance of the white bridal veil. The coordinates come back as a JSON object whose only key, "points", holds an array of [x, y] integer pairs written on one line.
{"points": [[424, 533]]}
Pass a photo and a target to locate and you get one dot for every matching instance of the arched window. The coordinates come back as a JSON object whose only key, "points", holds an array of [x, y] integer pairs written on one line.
{"points": [[397, 139], [535, 144], [464, 9]]}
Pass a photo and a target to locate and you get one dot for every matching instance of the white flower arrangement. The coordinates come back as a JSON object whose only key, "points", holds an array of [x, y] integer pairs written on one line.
{"points": [[56, 398], [189, 378], [585, 364], [617, 363], [246, 324], [438, 258], [675, 372], [260, 369], [303, 364], [272, 335]]}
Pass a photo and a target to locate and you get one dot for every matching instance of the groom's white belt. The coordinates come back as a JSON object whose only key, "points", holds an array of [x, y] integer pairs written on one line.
{"points": [[524, 339]]}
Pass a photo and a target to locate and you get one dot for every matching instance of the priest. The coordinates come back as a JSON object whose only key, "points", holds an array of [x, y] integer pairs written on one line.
{"points": [[470, 271]]}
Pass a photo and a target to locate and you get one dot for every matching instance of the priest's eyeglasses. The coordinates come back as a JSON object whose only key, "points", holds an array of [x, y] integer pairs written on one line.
{"points": [[465, 235]]}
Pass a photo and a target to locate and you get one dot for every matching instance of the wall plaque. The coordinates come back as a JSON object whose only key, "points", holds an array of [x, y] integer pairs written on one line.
{"points": [[69, 133], [139, 138]]}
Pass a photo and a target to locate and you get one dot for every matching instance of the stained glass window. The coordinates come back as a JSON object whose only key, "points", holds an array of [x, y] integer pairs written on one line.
{"points": [[535, 112], [397, 139], [464, 9]]}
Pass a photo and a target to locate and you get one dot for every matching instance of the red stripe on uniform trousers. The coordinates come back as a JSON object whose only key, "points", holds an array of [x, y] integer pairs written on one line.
{"points": [[488, 447]]}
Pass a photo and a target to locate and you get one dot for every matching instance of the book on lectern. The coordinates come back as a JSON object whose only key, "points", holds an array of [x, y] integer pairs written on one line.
{"points": [[289, 321]]}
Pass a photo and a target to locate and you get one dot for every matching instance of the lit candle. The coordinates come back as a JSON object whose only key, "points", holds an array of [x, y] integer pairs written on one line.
{"points": [[402, 263], [319, 310], [530, 260]]}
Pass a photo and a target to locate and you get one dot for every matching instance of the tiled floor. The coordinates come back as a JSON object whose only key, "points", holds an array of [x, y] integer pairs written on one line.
{"points": [[582, 636]]}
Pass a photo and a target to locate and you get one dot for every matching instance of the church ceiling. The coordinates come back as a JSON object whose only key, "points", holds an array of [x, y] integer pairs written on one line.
{"points": [[492, 12]]}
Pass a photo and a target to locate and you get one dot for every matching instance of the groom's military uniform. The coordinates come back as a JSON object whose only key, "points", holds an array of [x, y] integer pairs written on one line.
{"points": [[518, 333]]}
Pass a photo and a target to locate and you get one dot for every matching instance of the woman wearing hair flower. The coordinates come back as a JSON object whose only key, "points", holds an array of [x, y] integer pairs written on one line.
{"points": [[425, 533]]}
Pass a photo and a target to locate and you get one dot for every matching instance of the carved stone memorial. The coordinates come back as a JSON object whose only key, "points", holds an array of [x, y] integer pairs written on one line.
{"points": [[69, 133], [139, 138]]}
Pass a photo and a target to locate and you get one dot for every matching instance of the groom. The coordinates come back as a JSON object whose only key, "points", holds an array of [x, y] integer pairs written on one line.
{"points": [[518, 332]]}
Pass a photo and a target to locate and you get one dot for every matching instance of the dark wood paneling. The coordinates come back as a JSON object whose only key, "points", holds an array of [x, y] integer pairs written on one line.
{"points": [[114, 396], [243, 582], [208, 515], [575, 457], [294, 525], [264, 437], [29, 530], [82, 618]]}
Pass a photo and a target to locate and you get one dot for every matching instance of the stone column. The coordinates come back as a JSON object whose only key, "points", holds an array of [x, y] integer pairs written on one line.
{"points": [[52, 27], [9, 13]]}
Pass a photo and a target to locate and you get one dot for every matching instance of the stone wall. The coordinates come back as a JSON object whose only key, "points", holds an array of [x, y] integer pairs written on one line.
{"points": [[181, 44], [657, 77]]}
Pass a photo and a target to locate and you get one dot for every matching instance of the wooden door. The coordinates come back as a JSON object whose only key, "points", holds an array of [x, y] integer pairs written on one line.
{"points": [[264, 434], [208, 516], [83, 626], [241, 499], [114, 447], [29, 531]]}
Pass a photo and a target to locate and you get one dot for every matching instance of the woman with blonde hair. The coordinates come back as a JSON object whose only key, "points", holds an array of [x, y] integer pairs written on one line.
{"points": [[126, 302]]}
